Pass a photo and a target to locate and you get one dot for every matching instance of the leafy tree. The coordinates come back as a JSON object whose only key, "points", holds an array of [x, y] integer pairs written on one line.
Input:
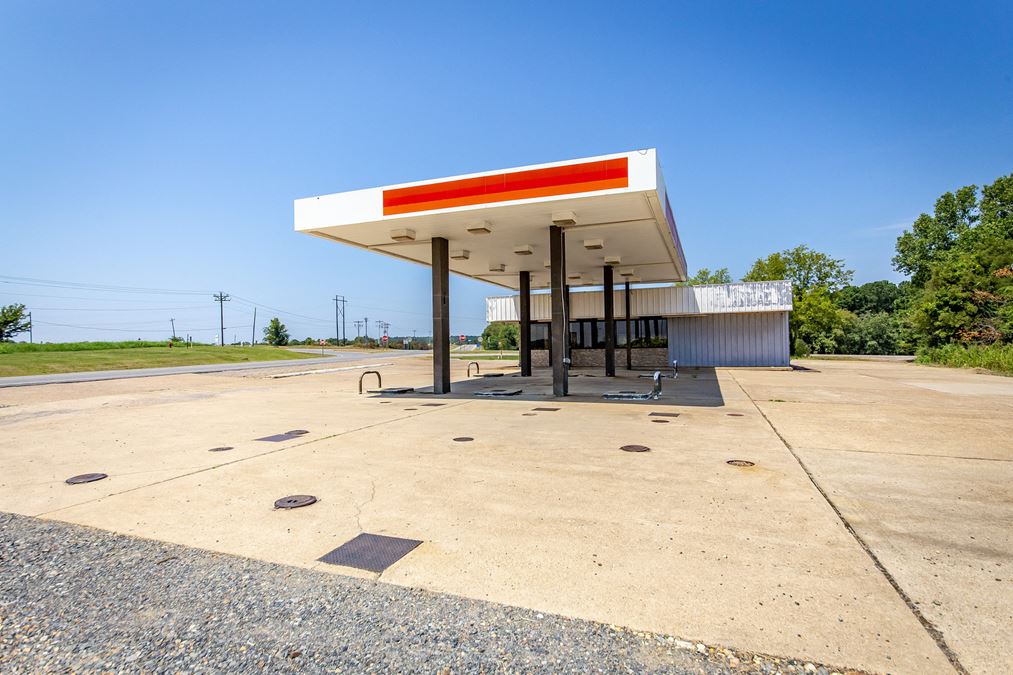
{"points": [[275, 333], [931, 236], [968, 297], [875, 296], [501, 335], [961, 262], [704, 276], [805, 268], [872, 333], [12, 322], [817, 325]]}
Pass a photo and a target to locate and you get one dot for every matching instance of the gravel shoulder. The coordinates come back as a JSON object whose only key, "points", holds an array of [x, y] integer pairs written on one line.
{"points": [[80, 599]]}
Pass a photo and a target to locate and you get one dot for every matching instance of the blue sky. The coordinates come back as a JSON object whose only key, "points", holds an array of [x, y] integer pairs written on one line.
{"points": [[160, 145]]}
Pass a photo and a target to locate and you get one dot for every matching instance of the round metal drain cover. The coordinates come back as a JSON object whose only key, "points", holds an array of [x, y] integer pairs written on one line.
{"points": [[528, 414], [464, 439], [297, 432], [660, 421], [411, 408], [294, 501], [86, 478], [222, 448], [740, 462], [635, 448], [735, 415]]}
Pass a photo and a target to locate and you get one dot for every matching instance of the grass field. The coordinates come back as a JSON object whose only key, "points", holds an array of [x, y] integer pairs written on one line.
{"points": [[995, 358], [112, 356]]}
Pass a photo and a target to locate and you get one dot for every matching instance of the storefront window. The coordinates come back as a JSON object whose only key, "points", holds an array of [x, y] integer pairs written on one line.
{"points": [[539, 336], [647, 332]]}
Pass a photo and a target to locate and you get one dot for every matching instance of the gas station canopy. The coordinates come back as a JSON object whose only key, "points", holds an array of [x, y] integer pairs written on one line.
{"points": [[614, 209]]}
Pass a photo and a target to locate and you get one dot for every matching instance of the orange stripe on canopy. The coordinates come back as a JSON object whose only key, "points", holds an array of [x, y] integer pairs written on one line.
{"points": [[558, 180]]}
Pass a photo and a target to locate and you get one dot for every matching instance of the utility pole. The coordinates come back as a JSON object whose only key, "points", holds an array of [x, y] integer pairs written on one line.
{"points": [[358, 328], [221, 299], [379, 328], [172, 322], [365, 326], [31, 338], [253, 335], [340, 336]]}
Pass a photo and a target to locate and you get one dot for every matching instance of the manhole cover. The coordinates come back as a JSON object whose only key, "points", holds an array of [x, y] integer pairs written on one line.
{"points": [[740, 462], [527, 414], [372, 552], [86, 478], [294, 501], [635, 448], [735, 415], [661, 421], [222, 448], [464, 439], [297, 432], [432, 405], [662, 414], [411, 408], [545, 409]]}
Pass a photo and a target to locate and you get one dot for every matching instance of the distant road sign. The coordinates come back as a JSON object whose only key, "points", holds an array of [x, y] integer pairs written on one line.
{"points": [[462, 338], [384, 338], [322, 342]]}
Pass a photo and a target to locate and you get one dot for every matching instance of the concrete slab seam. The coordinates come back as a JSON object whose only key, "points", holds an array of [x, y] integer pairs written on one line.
{"points": [[929, 627]]}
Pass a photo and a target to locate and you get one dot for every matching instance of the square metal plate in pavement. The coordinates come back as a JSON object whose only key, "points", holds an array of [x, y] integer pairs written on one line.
{"points": [[372, 552], [278, 438]]}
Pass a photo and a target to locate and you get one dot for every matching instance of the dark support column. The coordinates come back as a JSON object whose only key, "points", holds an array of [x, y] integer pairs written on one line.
{"points": [[441, 316], [560, 331], [629, 335], [610, 324], [525, 324]]}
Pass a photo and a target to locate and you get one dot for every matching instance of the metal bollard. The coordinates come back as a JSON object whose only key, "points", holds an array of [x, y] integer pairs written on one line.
{"points": [[379, 382]]}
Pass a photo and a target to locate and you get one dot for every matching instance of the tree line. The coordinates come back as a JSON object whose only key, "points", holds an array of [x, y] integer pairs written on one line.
{"points": [[957, 306]]}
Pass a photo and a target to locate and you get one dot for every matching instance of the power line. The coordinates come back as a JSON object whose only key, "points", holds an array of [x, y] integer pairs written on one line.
{"points": [[113, 309], [110, 288]]}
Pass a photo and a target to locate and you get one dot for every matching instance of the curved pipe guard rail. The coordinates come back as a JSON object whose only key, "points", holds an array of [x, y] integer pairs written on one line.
{"points": [[379, 382]]}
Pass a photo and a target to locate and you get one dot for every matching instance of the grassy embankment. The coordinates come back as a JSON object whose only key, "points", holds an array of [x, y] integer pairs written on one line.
{"points": [[74, 357], [995, 358]]}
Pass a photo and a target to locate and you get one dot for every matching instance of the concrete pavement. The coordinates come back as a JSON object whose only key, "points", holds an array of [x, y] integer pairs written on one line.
{"points": [[818, 551]]}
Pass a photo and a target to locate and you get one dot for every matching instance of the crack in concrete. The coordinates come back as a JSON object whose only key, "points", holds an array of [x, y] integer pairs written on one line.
{"points": [[360, 507], [930, 628]]}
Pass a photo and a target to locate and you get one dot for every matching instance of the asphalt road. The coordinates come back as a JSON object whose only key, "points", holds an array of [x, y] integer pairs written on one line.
{"points": [[75, 599], [98, 375]]}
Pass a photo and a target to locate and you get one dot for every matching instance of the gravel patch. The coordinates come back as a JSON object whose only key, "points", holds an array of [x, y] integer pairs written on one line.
{"points": [[78, 599]]}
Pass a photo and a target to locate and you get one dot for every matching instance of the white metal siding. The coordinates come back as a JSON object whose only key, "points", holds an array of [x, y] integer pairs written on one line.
{"points": [[745, 339], [757, 296]]}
